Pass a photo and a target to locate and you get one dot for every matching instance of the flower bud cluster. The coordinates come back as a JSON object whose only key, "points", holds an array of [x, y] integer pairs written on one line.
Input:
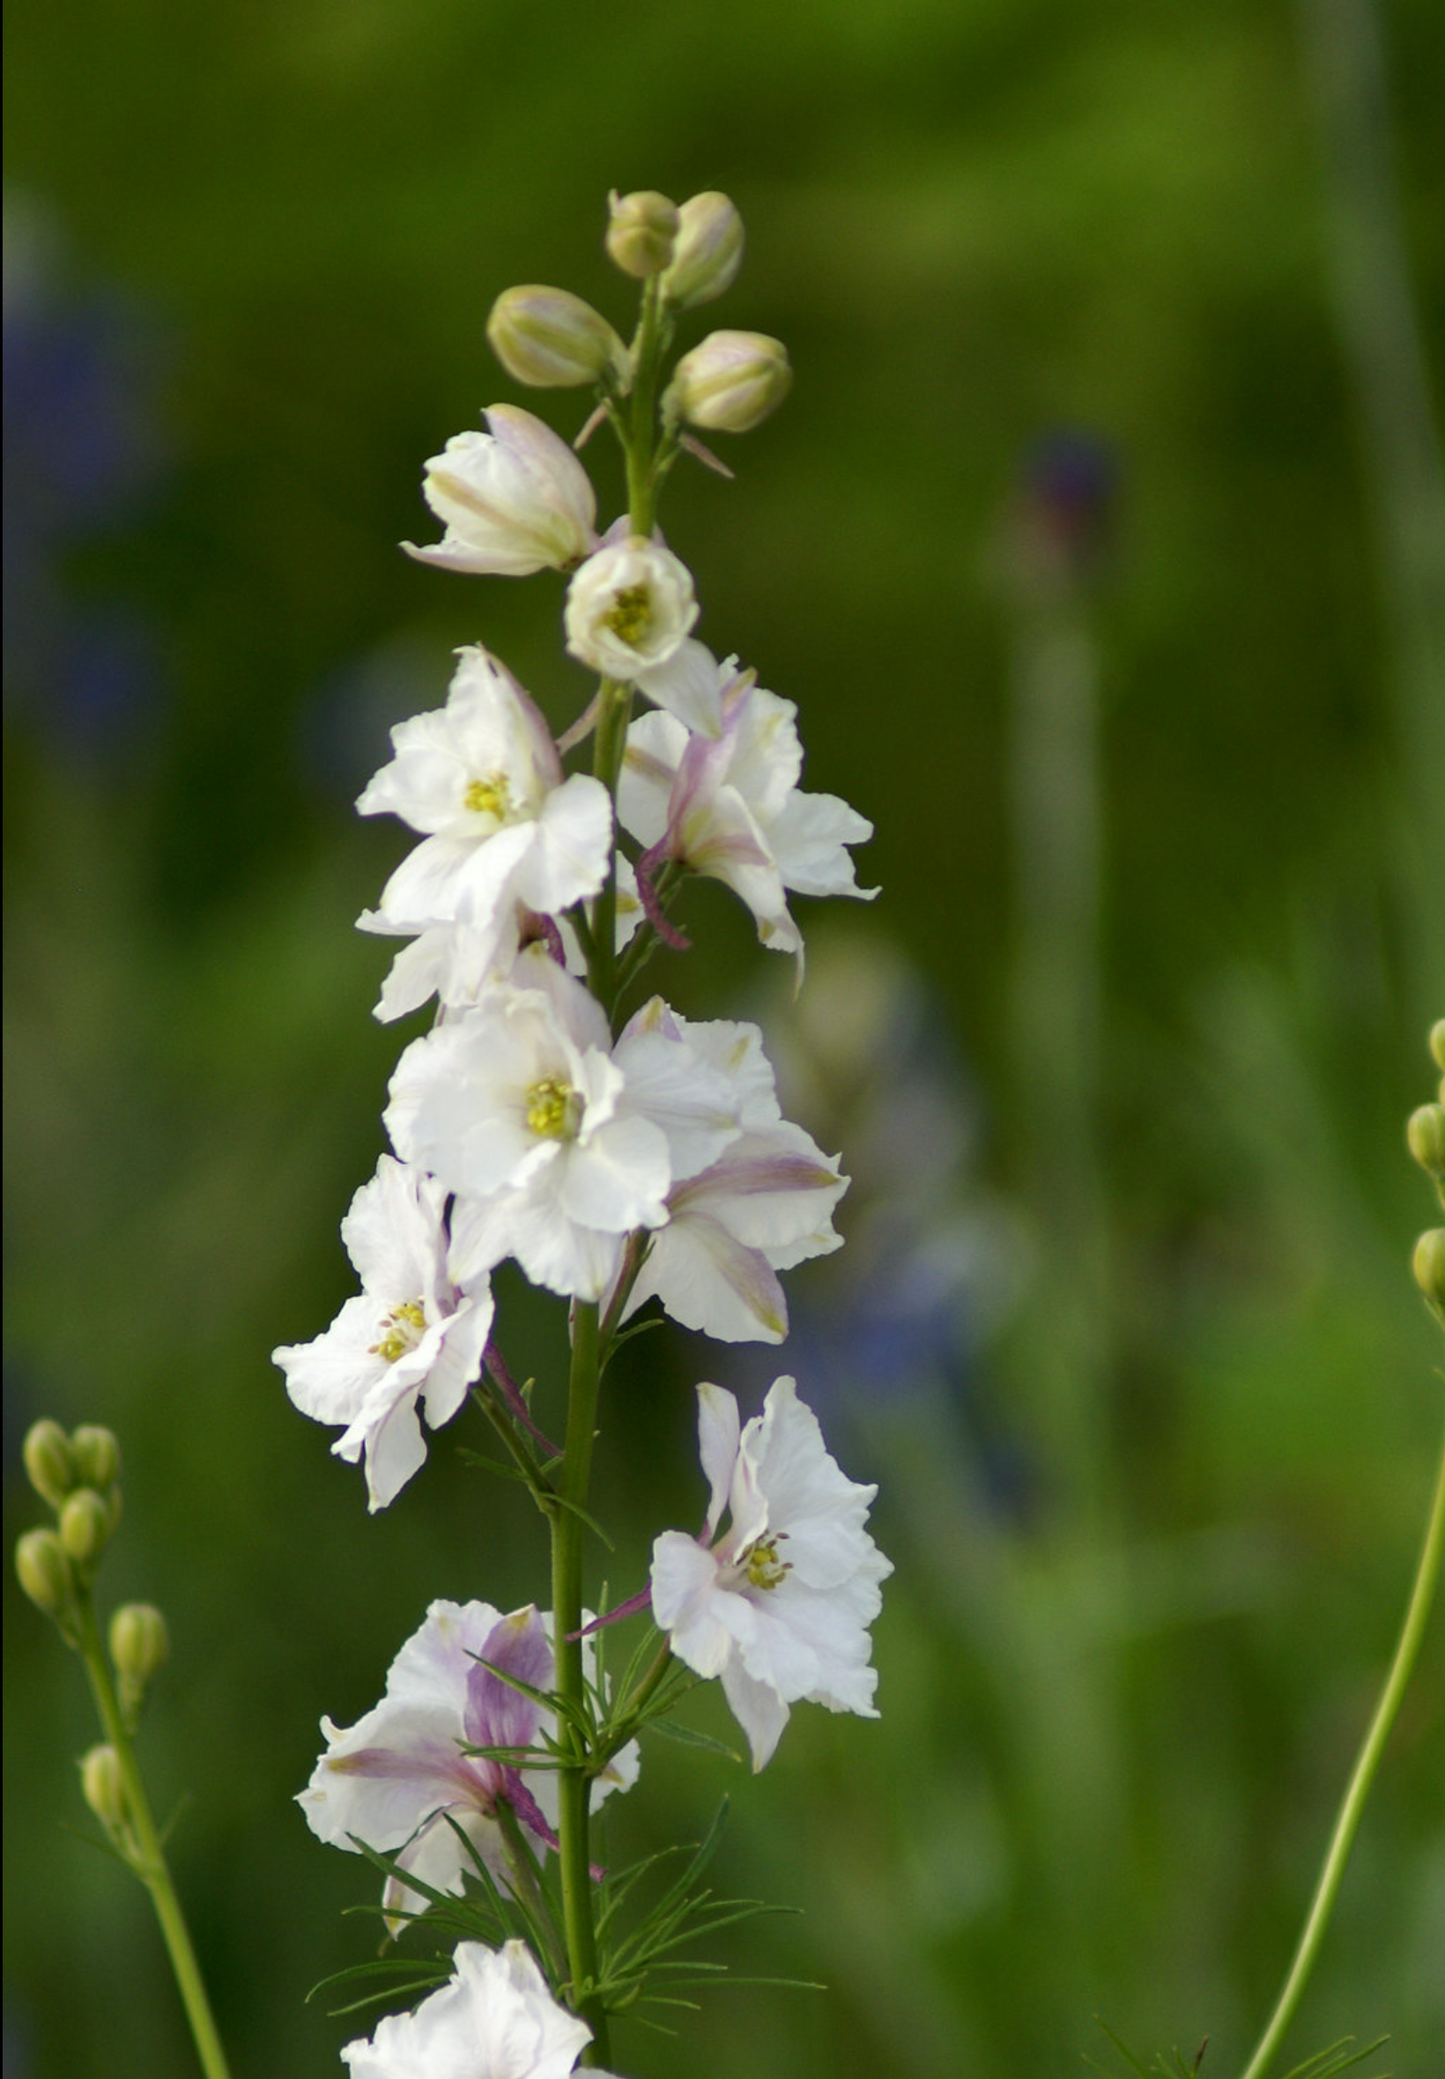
{"points": [[78, 1476]]}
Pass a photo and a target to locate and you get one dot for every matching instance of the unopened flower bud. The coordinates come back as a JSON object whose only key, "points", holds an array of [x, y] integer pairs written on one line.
{"points": [[49, 1461], [102, 1787], [1426, 1136], [44, 1572], [138, 1646], [97, 1456], [641, 231], [730, 382], [553, 340], [708, 251], [86, 1523], [1429, 1265], [1437, 1042]]}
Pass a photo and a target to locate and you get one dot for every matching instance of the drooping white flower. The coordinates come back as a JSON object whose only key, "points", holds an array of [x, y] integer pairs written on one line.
{"points": [[395, 1778], [763, 1205], [728, 806], [481, 779], [779, 1606], [494, 2019], [629, 607], [513, 499], [556, 1144], [410, 1344]]}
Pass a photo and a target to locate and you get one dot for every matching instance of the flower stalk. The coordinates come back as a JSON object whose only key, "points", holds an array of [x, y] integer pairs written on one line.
{"points": [[1352, 1806], [138, 1841]]}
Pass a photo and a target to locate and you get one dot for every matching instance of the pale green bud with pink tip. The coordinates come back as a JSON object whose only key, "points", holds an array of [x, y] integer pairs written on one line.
{"points": [[641, 232], [730, 382], [707, 253], [552, 340]]}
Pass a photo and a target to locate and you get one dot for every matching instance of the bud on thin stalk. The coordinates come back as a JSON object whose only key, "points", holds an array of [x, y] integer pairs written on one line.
{"points": [[49, 1461], [552, 340], [102, 1787], [86, 1524], [1426, 1137], [45, 1573], [708, 251], [139, 1645], [1429, 1265], [97, 1456], [641, 231]]}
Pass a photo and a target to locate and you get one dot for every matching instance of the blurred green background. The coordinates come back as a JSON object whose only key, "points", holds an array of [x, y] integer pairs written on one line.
{"points": [[1100, 546]]}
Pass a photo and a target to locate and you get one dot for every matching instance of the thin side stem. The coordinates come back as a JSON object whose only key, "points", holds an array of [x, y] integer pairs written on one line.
{"points": [[1332, 1873], [148, 1859], [574, 1783]]}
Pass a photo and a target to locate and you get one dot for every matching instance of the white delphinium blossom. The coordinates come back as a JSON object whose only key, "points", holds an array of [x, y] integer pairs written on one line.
{"points": [[395, 1778], [556, 1143], [513, 499], [494, 2019], [481, 779], [728, 806], [411, 1343], [764, 1205], [779, 1607], [629, 607]]}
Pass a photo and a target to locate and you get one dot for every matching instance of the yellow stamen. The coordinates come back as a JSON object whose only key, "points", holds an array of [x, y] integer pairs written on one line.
{"points": [[631, 614], [765, 1569], [404, 1327], [553, 1107], [487, 797]]}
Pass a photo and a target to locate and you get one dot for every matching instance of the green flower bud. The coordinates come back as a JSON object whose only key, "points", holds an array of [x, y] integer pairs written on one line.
{"points": [[553, 340], [730, 382], [641, 231], [1437, 1042], [708, 251], [44, 1572], [86, 1523], [97, 1456], [102, 1788], [49, 1461], [1429, 1265], [1426, 1136], [138, 1646]]}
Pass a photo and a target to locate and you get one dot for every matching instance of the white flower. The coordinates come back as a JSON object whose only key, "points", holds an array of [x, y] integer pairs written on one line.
{"points": [[494, 2019], [410, 1343], [728, 806], [780, 1606], [399, 1775], [556, 1144], [513, 500], [765, 1204], [482, 779], [629, 607]]}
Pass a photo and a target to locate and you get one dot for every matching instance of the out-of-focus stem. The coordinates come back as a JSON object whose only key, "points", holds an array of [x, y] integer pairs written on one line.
{"points": [[1427, 1574], [146, 1856], [574, 1782]]}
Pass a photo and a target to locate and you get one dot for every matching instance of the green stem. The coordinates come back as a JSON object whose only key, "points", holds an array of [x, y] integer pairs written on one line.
{"points": [[614, 711], [1332, 1873], [145, 1854], [574, 1782]]}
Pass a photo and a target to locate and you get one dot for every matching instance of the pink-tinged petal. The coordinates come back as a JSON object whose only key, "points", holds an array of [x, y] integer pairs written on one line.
{"points": [[718, 1430], [496, 1714], [709, 1281]]}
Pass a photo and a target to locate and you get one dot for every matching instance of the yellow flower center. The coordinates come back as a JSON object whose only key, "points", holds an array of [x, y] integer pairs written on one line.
{"points": [[488, 797], [765, 1569], [630, 615], [403, 1329], [553, 1109]]}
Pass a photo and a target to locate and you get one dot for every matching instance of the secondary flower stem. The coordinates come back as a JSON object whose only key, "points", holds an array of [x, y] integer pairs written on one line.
{"points": [[574, 1782], [1353, 1805], [145, 1854]]}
